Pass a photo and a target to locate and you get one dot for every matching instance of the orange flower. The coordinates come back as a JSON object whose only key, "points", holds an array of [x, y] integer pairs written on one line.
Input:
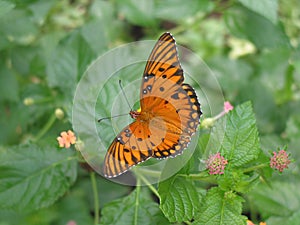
{"points": [[249, 222], [66, 139]]}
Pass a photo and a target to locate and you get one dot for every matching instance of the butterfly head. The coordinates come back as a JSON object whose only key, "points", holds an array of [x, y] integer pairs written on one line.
{"points": [[135, 114]]}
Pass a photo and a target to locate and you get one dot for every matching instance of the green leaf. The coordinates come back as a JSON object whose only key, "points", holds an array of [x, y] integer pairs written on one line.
{"points": [[282, 199], [40, 10], [137, 208], [138, 12], [237, 181], [174, 10], [5, 7], [293, 127], [293, 219], [236, 136], [266, 8], [18, 27], [246, 24], [68, 62], [228, 72], [74, 207], [221, 208], [179, 199], [8, 85], [22, 57], [33, 177]]}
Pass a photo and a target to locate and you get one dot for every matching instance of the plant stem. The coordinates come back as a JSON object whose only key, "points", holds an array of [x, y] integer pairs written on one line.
{"points": [[150, 172], [45, 129], [96, 199], [138, 190], [252, 168], [149, 185]]}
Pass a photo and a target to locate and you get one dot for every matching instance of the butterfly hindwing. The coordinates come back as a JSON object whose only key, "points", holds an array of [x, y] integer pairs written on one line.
{"points": [[128, 149], [179, 111]]}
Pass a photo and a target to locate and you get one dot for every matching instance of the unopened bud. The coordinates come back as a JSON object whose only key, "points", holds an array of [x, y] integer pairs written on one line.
{"points": [[59, 113]]}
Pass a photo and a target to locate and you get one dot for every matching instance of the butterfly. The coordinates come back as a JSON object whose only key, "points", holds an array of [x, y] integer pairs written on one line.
{"points": [[168, 117]]}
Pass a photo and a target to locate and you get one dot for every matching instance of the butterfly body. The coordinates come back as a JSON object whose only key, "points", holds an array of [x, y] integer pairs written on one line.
{"points": [[168, 117]]}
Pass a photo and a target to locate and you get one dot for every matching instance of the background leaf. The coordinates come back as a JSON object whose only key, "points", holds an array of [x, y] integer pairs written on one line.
{"points": [[33, 177], [248, 25], [5, 7], [266, 8], [278, 206], [136, 208]]}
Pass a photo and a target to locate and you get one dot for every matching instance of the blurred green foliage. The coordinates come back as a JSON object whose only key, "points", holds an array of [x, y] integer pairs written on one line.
{"points": [[45, 47]]}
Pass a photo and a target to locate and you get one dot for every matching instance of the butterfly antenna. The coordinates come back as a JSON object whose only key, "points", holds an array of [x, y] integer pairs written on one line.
{"points": [[120, 84], [110, 117]]}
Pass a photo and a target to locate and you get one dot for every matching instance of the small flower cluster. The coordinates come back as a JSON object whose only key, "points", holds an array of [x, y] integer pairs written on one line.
{"points": [[66, 139], [280, 160], [216, 164]]}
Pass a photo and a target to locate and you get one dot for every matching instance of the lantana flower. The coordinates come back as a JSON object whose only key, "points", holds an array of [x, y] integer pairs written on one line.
{"points": [[66, 139], [249, 222], [280, 160], [216, 164]]}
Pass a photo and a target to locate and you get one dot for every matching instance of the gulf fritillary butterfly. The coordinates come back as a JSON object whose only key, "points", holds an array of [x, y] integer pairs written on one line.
{"points": [[169, 115]]}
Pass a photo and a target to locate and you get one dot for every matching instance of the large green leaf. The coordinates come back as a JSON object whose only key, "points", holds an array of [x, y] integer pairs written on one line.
{"points": [[246, 24], [32, 177], [266, 8], [236, 136], [179, 199], [282, 200], [17, 26], [138, 12], [137, 208], [219, 207], [68, 62], [5, 7], [175, 11]]}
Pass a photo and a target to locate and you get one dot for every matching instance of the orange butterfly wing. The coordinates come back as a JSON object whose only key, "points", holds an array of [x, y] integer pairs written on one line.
{"points": [[164, 93], [169, 116]]}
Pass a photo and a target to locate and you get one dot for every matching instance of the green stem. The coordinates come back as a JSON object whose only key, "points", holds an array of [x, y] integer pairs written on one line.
{"points": [[203, 176], [96, 199], [138, 190], [252, 168], [45, 129], [149, 185]]}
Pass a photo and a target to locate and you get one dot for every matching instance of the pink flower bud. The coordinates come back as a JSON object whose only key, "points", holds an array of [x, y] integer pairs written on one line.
{"points": [[280, 161], [216, 164]]}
